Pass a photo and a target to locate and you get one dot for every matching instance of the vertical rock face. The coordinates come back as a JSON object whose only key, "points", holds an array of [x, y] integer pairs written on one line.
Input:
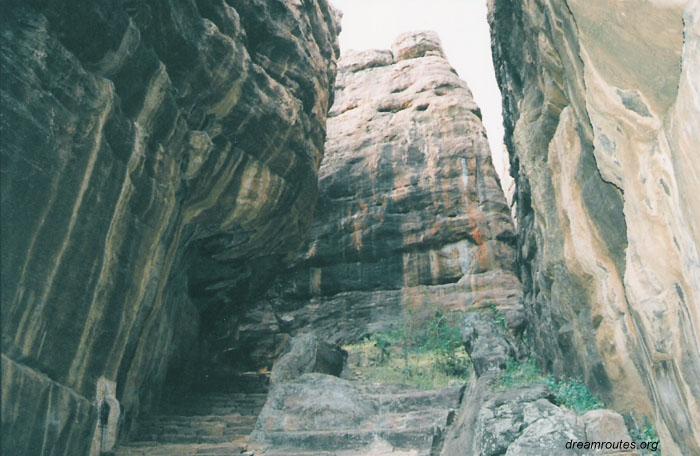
{"points": [[411, 217], [156, 157], [603, 121]]}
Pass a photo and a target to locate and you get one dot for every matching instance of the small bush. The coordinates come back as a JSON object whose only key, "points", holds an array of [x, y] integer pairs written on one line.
{"points": [[574, 395], [643, 433], [568, 393], [384, 343], [521, 374], [499, 317]]}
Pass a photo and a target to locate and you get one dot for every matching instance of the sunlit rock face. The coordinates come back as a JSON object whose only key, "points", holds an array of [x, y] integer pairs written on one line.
{"points": [[602, 118], [411, 217], [157, 161]]}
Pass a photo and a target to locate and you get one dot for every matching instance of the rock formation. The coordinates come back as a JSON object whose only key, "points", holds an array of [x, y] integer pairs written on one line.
{"points": [[411, 217], [173, 212], [158, 161], [602, 123]]}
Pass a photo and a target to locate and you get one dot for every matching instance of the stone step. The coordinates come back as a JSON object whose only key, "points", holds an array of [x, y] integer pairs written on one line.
{"points": [[415, 400], [352, 439], [237, 397], [424, 420], [212, 423], [200, 424], [217, 405], [159, 449], [212, 411], [192, 439], [182, 434], [199, 420], [231, 400], [366, 451]]}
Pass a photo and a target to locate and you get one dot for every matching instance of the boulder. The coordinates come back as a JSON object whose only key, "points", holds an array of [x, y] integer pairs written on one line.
{"points": [[606, 426], [308, 354], [547, 430], [313, 402], [413, 45]]}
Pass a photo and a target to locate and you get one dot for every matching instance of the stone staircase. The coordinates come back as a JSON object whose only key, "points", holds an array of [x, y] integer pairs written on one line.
{"points": [[406, 422], [204, 424]]}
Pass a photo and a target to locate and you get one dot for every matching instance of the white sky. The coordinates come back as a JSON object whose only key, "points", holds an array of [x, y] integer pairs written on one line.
{"points": [[464, 31]]}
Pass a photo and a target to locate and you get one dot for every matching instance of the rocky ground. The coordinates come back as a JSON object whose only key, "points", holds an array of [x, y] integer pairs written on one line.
{"points": [[310, 411]]}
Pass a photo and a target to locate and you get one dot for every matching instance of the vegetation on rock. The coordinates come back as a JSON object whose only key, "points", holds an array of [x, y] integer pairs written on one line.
{"points": [[570, 393], [426, 354], [645, 432]]}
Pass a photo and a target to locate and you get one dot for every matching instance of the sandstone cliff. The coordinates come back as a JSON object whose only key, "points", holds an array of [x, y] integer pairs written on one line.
{"points": [[602, 123], [411, 217], [158, 160]]}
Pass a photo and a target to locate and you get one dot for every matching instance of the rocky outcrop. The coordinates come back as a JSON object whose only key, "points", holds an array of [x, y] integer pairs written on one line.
{"points": [[602, 123], [525, 422], [488, 342], [411, 217], [159, 161]]}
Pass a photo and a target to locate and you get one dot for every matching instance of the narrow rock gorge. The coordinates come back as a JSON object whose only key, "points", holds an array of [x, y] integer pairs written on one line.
{"points": [[214, 228]]}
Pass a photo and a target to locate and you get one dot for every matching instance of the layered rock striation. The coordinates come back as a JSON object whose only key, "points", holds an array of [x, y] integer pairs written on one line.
{"points": [[158, 161], [602, 123], [411, 218]]}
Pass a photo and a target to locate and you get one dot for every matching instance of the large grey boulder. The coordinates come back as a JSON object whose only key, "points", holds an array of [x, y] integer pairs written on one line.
{"points": [[308, 354], [547, 430], [313, 401], [605, 426]]}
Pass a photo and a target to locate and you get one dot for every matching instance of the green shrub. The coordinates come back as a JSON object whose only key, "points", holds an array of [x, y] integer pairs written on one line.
{"points": [[425, 352], [499, 317], [643, 433], [573, 395], [521, 374], [384, 343], [569, 393], [455, 363]]}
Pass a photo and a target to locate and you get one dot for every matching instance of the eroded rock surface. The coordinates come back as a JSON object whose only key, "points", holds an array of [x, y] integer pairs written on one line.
{"points": [[158, 161], [602, 122], [411, 216]]}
